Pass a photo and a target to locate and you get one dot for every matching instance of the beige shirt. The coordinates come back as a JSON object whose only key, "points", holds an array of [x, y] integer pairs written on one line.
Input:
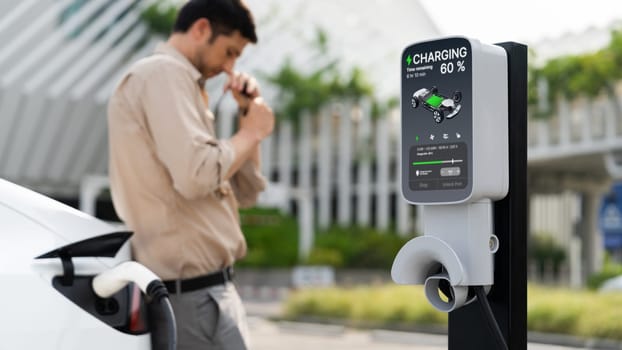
{"points": [[167, 170]]}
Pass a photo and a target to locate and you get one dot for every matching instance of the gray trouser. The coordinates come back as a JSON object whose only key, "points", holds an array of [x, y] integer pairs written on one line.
{"points": [[209, 318]]}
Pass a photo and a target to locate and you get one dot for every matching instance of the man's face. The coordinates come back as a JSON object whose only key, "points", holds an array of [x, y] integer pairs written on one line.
{"points": [[219, 54]]}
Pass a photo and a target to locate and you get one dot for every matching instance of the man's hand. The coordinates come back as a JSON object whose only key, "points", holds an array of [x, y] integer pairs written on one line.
{"points": [[259, 120], [244, 89]]}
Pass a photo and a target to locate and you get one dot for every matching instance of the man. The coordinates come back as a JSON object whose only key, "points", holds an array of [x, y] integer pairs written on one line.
{"points": [[175, 184]]}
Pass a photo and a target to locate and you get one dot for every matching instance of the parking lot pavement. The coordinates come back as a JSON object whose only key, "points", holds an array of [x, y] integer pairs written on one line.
{"points": [[270, 335], [278, 335]]}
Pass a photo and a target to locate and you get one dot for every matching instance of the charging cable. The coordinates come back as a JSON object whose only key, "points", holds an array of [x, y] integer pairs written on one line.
{"points": [[111, 281], [490, 317]]}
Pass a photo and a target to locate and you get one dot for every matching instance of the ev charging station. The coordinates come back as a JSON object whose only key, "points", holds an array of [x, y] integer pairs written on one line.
{"points": [[463, 157]]}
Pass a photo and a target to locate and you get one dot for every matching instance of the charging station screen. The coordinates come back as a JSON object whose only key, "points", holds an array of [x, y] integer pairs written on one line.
{"points": [[438, 167], [437, 121]]}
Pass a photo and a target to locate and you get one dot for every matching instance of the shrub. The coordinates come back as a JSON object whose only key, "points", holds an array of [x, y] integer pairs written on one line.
{"points": [[272, 238], [391, 304], [580, 313], [554, 310], [610, 269], [359, 247], [160, 16], [325, 256], [545, 251]]}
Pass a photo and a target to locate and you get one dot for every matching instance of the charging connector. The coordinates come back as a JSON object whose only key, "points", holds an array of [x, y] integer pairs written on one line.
{"points": [[111, 281]]}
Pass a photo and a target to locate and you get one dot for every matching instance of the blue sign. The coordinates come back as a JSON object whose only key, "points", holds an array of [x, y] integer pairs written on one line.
{"points": [[610, 218]]}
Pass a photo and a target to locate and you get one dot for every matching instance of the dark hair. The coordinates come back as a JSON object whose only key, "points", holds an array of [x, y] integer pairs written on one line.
{"points": [[225, 16]]}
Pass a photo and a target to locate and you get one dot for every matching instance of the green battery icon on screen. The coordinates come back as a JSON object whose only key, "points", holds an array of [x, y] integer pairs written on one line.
{"points": [[434, 101]]}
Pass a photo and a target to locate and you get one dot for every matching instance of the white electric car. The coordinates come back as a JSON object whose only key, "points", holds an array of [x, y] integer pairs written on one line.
{"points": [[49, 253]]}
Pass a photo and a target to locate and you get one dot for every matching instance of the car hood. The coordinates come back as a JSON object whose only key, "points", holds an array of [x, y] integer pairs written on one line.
{"points": [[66, 223]]}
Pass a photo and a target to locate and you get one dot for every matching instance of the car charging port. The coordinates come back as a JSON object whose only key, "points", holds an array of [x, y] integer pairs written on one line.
{"points": [[111, 281], [108, 306]]}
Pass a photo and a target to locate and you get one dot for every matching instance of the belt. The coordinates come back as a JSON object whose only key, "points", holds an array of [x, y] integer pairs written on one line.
{"points": [[195, 283]]}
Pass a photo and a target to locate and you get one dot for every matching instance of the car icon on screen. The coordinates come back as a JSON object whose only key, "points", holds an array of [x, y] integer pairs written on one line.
{"points": [[442, 107]]}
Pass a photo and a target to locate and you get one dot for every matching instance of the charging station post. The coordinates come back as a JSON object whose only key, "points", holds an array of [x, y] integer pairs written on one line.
{"points": [[508, 296], [464, 158]]}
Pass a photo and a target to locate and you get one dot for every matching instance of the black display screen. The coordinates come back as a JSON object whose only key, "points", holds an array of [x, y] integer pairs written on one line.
{"points": [[437, 121]]}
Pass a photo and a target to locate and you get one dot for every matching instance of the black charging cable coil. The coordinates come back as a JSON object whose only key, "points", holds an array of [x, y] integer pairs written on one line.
{"points": [[158, 293]]}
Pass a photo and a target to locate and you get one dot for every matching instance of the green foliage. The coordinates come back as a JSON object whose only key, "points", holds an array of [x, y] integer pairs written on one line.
{"points": [[545, 251], [325, 256], [272, 238], [321, 40], [558, 313], [610, 269], [356, 247], [301, 91], [394, 304], [572, 76], [160, 16], [580, 313]]}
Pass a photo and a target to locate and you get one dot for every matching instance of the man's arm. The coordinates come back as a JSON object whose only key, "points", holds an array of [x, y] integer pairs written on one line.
{"points": [[254, 127], [245, 91]]}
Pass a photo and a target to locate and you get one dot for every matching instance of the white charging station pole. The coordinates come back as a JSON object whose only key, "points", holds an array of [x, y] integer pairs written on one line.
{"points": [[463, 154]]}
